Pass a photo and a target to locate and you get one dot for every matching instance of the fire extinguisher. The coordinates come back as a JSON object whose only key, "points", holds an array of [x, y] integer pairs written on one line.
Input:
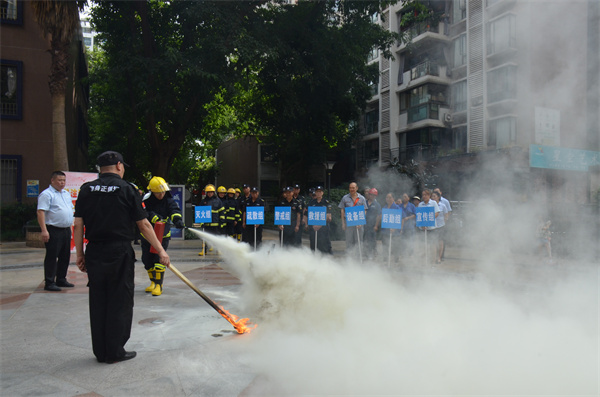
{"points": [[159, 230]]}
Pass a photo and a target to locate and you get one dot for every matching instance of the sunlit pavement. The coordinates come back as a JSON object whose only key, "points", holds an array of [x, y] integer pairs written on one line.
{"points": [[185, 348]]}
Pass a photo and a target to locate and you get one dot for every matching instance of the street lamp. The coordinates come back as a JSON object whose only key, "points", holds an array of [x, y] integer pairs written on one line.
{"points": [[329, 166]]}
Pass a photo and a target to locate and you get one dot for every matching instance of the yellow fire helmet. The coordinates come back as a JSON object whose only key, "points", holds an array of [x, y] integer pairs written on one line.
{"points": [[209, 188], [221, 189], [237, 189], [158, 185], [231, 190]]}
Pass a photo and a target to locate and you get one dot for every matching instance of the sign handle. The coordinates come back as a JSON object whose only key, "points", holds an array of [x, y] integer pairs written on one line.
{"points": [[254, 237], [281, 242], [426, 249], [359, 248], [316, 240], [390, 251]]}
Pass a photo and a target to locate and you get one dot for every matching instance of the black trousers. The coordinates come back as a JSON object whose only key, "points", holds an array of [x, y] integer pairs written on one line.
{"points": [[58, 254], [248, 235], [110, 272], [289, 234], [150, 259], [324, 243]]}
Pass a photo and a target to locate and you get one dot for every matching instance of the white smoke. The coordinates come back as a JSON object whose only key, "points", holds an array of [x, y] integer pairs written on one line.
{"points": [[329, 326]]}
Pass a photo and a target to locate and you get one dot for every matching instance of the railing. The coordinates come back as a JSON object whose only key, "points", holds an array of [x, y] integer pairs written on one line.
{"points": [[418, 152], [422, 112], [423, 27], [371, 127], [427, 68]]}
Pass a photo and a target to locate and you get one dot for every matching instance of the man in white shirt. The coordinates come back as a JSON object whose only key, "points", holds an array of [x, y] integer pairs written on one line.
{"points": [[55, 216]]}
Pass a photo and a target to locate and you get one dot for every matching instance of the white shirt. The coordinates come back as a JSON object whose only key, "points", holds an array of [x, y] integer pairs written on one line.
{"points": [[436, 210], [57, 207]]}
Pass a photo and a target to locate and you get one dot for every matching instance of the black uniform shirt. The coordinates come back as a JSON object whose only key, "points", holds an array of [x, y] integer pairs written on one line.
{"points": [[296, 207], [163, 210], [109, 206], [315, 203]]}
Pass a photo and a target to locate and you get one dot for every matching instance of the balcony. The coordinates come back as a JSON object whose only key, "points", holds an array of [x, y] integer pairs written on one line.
{"points": [[423, 112], [426, 68], [371, 127], [419, 152]]}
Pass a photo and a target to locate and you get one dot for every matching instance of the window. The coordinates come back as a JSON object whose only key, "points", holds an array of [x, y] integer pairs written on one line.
{"points": [[502, 84], [460, 51], [11, 89], [372, 122], [11, 12], [502, 132], [459, 10], [501, 34], [459, 96], [373, 55], [459, 138], [10, 177]]}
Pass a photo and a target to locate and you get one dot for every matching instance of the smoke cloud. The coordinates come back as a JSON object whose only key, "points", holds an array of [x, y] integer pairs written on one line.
{"points": [[330, 326]]}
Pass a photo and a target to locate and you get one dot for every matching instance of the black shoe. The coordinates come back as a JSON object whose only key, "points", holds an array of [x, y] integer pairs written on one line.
{"points": [[52, 287], [64, 284], [127, 356]]}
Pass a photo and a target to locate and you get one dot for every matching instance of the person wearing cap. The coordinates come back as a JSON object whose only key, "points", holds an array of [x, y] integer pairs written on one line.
{"points": [[302, 203], [289, 231], [55, 217], [248, 234], [322, 232], [373, 217], [416, 200], [238, 230], [161, 207], [107, 208], [217, 211], [352, 199]]}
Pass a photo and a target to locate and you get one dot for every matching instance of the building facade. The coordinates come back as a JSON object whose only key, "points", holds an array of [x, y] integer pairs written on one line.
{"points": [[26, 153], [480, 79]]}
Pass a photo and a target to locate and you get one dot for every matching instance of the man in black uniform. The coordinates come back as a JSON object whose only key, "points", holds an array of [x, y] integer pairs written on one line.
{"points": [[302, 203], [324, 243], [107, 207], [253, 201], [289, 231]]}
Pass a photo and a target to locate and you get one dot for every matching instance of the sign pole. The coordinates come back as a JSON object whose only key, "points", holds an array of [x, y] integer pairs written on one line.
{"points": [[359, 248], [254, 237], [390, 250], [281, 242], [316, 240], [426, 249]]}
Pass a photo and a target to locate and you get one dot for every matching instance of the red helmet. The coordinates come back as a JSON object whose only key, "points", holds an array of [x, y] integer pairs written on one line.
{"points": [[374, 192]]}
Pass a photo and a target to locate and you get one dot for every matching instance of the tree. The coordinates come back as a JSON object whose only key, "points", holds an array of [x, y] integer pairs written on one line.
{"points": [[312, 77], [58, 20], [163, 62]]}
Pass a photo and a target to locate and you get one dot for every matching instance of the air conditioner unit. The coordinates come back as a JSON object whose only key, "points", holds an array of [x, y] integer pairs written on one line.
{"points": [[448, 118]]}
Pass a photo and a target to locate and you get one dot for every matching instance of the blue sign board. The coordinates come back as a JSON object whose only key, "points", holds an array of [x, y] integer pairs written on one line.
{"points": [[425, 216], [558, 158], [33, 188], [283, 216], [355, 216], [255, 215], [391, 218], [177, 193], [317, 216], [202, 214]]}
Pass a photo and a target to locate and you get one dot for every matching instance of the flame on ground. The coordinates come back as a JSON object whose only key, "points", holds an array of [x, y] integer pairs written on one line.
{"points": [[240, 325]]}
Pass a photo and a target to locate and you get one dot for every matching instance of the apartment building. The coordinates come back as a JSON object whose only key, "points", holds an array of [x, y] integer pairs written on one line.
{"points": [[485, 79]]}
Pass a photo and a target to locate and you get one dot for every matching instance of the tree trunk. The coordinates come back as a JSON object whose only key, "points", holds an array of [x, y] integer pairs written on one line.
{"points": [[59, 133]]}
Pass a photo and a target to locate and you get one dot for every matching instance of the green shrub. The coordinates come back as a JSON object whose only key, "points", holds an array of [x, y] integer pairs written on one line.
{"points": [[13, 219]]}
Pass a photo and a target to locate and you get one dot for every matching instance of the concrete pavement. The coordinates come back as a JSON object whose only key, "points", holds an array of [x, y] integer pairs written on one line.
{"points": [[184, 347]]}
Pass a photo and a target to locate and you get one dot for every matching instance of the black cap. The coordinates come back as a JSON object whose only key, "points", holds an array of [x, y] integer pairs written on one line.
{"points": [[245, 186], [296, 186], [110, 158], [319, 188], [288, 189], [254, 189]]}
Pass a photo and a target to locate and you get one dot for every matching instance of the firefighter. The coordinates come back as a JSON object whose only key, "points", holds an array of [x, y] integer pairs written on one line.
{"points": [[217, 214], [253, 201], [232, 215], [222, 195], [161, 207], [242, 198]]}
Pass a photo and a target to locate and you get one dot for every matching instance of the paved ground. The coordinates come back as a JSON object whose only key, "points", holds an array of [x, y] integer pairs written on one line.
{"points": [[184, 347]]}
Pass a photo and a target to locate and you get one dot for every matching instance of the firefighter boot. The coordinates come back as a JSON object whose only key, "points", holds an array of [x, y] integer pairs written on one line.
{"points": [[158, 279], [152, 276]]}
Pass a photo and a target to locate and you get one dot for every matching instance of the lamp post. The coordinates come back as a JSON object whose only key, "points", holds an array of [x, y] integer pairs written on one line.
{"points": [[329, 166]]}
